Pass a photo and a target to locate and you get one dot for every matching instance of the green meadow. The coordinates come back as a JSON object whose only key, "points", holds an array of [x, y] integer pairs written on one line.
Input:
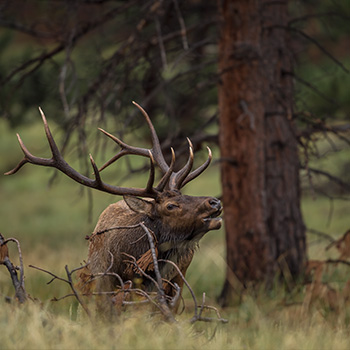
{"points": [[51, 216]]}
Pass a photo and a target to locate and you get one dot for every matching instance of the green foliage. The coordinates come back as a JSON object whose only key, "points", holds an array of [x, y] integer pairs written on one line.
{"points": [[104, 62], [322, 79], [32, 89], [331, 17], [330, 155], [326, 91]]}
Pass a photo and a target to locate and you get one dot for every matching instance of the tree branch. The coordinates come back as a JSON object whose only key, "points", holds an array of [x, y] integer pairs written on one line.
{"points": [[68, 281], [314, 41], [331, 177], [20, 292]]}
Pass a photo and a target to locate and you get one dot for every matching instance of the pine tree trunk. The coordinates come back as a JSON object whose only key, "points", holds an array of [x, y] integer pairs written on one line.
{"points": [[265, 233]]}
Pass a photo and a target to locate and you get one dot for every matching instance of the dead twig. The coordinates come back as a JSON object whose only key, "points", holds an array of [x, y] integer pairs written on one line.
{"points": [[323, 235], [185, 281], [162, 298], [161, 304], [116, 228], [182, 25], [197, 316], [68, 281]]}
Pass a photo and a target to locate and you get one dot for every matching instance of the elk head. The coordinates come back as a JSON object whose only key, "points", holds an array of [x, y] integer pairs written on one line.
{"points": [[182, 218]]}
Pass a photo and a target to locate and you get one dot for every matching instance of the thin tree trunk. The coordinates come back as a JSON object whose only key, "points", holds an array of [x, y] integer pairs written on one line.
{"points": [[260, 168]]}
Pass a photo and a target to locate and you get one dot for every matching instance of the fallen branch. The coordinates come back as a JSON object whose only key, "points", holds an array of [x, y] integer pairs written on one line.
{"points": [[197, 316], [20, 292], [162, 303]]}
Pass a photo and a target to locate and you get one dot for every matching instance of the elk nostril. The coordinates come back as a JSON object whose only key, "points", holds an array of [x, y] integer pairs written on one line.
{"points": [[215, 203]]}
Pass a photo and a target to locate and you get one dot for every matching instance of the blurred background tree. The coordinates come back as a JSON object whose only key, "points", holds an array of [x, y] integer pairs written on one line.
{"points": [[278, 69]]}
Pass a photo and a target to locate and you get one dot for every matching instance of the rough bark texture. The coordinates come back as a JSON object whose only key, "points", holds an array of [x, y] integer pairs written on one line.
{"points": [[260, 167]]}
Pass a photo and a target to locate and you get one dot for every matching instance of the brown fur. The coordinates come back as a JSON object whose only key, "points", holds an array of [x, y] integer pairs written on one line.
{"points": [[177, 223]]}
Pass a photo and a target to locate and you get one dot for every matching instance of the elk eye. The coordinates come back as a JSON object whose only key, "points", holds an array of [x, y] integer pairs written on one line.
{"points": [[171, 206]]}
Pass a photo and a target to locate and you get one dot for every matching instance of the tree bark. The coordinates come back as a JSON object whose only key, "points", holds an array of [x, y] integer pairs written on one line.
{"points": [[265, 233]]}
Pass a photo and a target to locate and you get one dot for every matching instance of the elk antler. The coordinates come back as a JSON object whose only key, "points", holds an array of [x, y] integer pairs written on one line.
{"points": [[57, 161], [175, 180]]}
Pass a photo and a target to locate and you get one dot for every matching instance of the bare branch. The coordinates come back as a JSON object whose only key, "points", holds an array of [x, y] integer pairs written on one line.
{"points": [[314, 41], [322, 234], [318, 15], [311, 87], [68, 281], [39, 60], [185, 281], [161, 44], [331, 177], [158, 282], [199, 317], [176, 297], [143, 273], [182, 25], [20, 292], [25, 29]]}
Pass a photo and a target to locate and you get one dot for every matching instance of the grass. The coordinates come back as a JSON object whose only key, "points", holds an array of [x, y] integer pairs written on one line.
{"points": [[251, 327], [51, 223]]}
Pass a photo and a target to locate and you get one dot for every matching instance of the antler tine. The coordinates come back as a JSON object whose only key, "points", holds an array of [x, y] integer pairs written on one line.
{"points": [[23, 161], [148, 191], [126, 149], [165, 179], [54, 149], [199, 170], [149, 187], [118, 141], [156, 149], [17, 167], [96, 171], [113, 159], [57, 161], [180, 176], [29, 158]]}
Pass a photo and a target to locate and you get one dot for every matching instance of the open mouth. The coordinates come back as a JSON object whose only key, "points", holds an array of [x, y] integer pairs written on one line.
{"points": [[213, 216]]}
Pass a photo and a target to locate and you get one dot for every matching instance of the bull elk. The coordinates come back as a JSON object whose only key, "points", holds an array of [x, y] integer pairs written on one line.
{"points": [[176, 221]]}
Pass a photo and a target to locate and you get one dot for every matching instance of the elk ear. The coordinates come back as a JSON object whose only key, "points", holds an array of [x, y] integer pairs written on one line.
{"points": [[139, 205]]}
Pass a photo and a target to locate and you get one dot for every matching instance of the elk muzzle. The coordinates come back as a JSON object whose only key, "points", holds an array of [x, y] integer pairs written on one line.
{"points": [[211, 220]]}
